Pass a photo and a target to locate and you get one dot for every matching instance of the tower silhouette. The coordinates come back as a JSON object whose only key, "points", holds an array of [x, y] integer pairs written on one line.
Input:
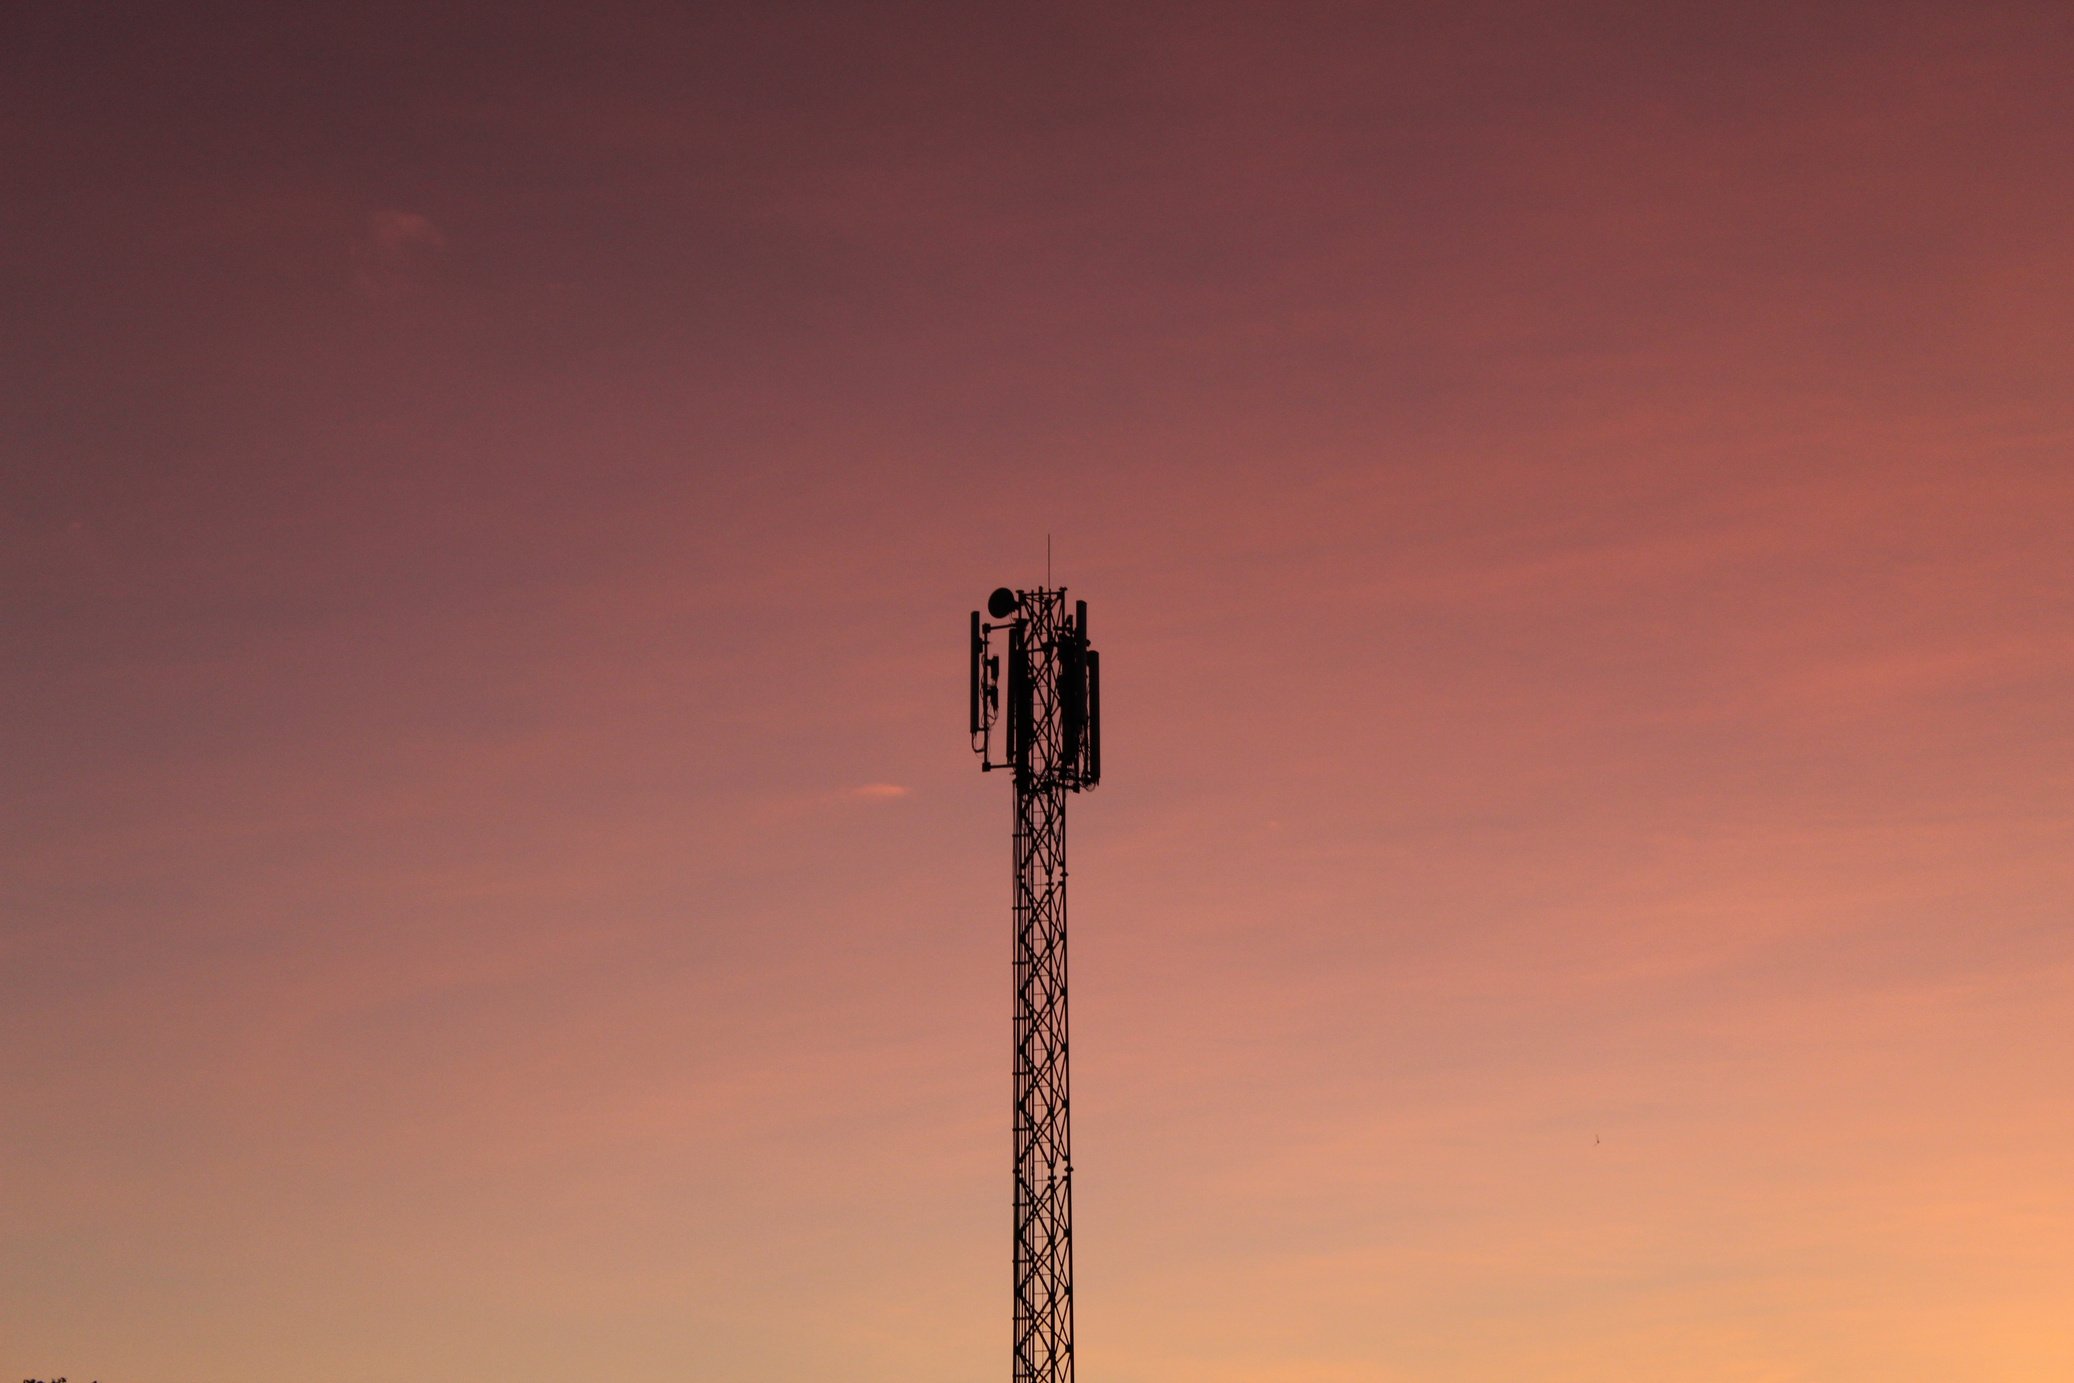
{"points": [[1052, 745]]}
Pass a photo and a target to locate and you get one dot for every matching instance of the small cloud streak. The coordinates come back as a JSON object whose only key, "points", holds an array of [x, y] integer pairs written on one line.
{"points": [[879, 792], [394, 250], [397, 233]]}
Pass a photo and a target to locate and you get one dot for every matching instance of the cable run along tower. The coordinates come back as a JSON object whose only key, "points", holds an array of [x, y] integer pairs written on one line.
{"points": [[1050, 737]]}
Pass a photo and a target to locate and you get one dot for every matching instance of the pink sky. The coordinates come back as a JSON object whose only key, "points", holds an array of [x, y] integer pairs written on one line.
{"points": [[1575, 505]]}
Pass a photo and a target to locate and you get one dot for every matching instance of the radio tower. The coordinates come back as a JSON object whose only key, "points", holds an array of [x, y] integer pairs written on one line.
{"points": [[1052, 745]]}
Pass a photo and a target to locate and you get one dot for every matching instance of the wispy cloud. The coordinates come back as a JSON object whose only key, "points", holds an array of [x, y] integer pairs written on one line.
{"points": [[393, 250]]}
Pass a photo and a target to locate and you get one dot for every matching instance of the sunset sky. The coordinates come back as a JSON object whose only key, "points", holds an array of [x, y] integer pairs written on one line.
{"points": [[1577, 508]]}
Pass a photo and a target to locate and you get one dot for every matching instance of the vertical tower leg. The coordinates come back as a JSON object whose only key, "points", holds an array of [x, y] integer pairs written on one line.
{"points": [[1043, 1162]]}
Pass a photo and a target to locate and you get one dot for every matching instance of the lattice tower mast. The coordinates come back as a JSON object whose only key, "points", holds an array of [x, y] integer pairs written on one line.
{"points": [[1052, 745]]}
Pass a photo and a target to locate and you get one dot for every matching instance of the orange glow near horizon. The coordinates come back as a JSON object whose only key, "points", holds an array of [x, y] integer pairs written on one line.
{"points": [[1575, 507]]}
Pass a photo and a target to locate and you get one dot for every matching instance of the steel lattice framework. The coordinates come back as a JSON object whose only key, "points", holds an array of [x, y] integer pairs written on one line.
{"points": [[1053, 747]]}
